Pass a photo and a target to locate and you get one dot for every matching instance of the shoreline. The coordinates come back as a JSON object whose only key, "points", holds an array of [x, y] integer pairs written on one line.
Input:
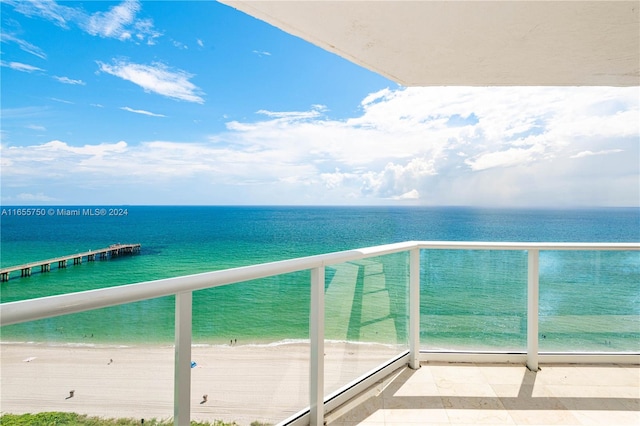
{"points": [[243, 383], [247, 344]]}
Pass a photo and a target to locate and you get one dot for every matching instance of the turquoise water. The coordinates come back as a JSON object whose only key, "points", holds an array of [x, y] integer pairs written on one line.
{"points": [[588, 301]]}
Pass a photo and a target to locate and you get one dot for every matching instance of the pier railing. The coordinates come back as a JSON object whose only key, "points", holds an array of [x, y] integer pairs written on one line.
{"points": [[319, 403]]}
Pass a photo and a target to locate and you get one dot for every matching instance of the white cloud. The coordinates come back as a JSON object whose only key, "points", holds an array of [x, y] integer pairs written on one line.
{"points": [[119, 22], [261, 53], [156, 78], [293, 115], [337, 179], [47, 9], [508, 158], [23, 113], [402, 145], [27, 197], [114, 22], [180, 45], [23, 44], [590, 153], [144, 30], [396, 181], [437, 146], [411, 195], [18, 66], [200, 43], [100, 150], [143, 112], [64, 101], [67, 80], [36, 127]]}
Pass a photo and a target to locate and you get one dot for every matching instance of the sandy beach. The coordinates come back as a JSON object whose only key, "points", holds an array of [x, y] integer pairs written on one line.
{"points": [[243, 383]]}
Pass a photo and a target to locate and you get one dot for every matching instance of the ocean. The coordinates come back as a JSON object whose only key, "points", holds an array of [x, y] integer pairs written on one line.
{"points": [[589, 301]]}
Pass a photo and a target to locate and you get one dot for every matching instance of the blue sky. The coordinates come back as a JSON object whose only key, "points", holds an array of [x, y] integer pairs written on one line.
{"points": [[166, 102]]}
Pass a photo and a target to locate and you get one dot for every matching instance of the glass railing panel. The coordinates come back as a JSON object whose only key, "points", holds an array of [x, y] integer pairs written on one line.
{"points": [[147, 322], [366, 316], [589, 301], [473, 300], [251, 350], [111, 362]]}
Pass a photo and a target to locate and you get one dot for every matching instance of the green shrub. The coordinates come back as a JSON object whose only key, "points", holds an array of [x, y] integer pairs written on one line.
{"points": [[73, 419]]}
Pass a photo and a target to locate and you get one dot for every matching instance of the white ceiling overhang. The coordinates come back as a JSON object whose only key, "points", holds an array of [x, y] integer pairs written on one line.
{"points": [[471, 43]]}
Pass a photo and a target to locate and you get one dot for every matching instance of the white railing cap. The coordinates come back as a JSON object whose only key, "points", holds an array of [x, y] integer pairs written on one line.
{"points": [[52, 306]]}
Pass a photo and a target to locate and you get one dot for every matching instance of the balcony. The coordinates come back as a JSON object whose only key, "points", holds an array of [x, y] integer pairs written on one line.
{"points": [[531, 335], [477, 393]]}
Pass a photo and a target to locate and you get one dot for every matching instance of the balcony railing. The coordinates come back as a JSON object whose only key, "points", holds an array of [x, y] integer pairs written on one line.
{"points": [[319, 403]]}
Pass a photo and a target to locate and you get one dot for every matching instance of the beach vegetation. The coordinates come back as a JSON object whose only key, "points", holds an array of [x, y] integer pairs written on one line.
{"points": [[74, 419]]}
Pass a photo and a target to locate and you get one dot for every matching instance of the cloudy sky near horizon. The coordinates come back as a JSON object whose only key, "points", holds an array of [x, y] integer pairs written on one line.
{"points": [[109, 103]]}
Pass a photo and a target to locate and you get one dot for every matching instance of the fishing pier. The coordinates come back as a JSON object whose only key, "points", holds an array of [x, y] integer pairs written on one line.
{"points": [[112, 251]]}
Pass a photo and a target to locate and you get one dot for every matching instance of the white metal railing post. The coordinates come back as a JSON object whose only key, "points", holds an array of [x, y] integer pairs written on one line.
{"points": [[316, 332], [182, 360], [533, 278], [414, 308]]}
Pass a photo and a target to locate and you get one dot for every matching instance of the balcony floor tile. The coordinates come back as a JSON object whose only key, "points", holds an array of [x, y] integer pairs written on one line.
{"points": [[467, 393]]}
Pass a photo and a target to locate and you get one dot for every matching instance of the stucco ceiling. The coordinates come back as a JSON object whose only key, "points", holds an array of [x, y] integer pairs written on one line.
{"points": [[471, 43]]}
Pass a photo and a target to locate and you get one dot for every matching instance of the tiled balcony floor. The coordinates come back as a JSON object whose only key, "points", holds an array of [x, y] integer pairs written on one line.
{"points": [[497, 394]]}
